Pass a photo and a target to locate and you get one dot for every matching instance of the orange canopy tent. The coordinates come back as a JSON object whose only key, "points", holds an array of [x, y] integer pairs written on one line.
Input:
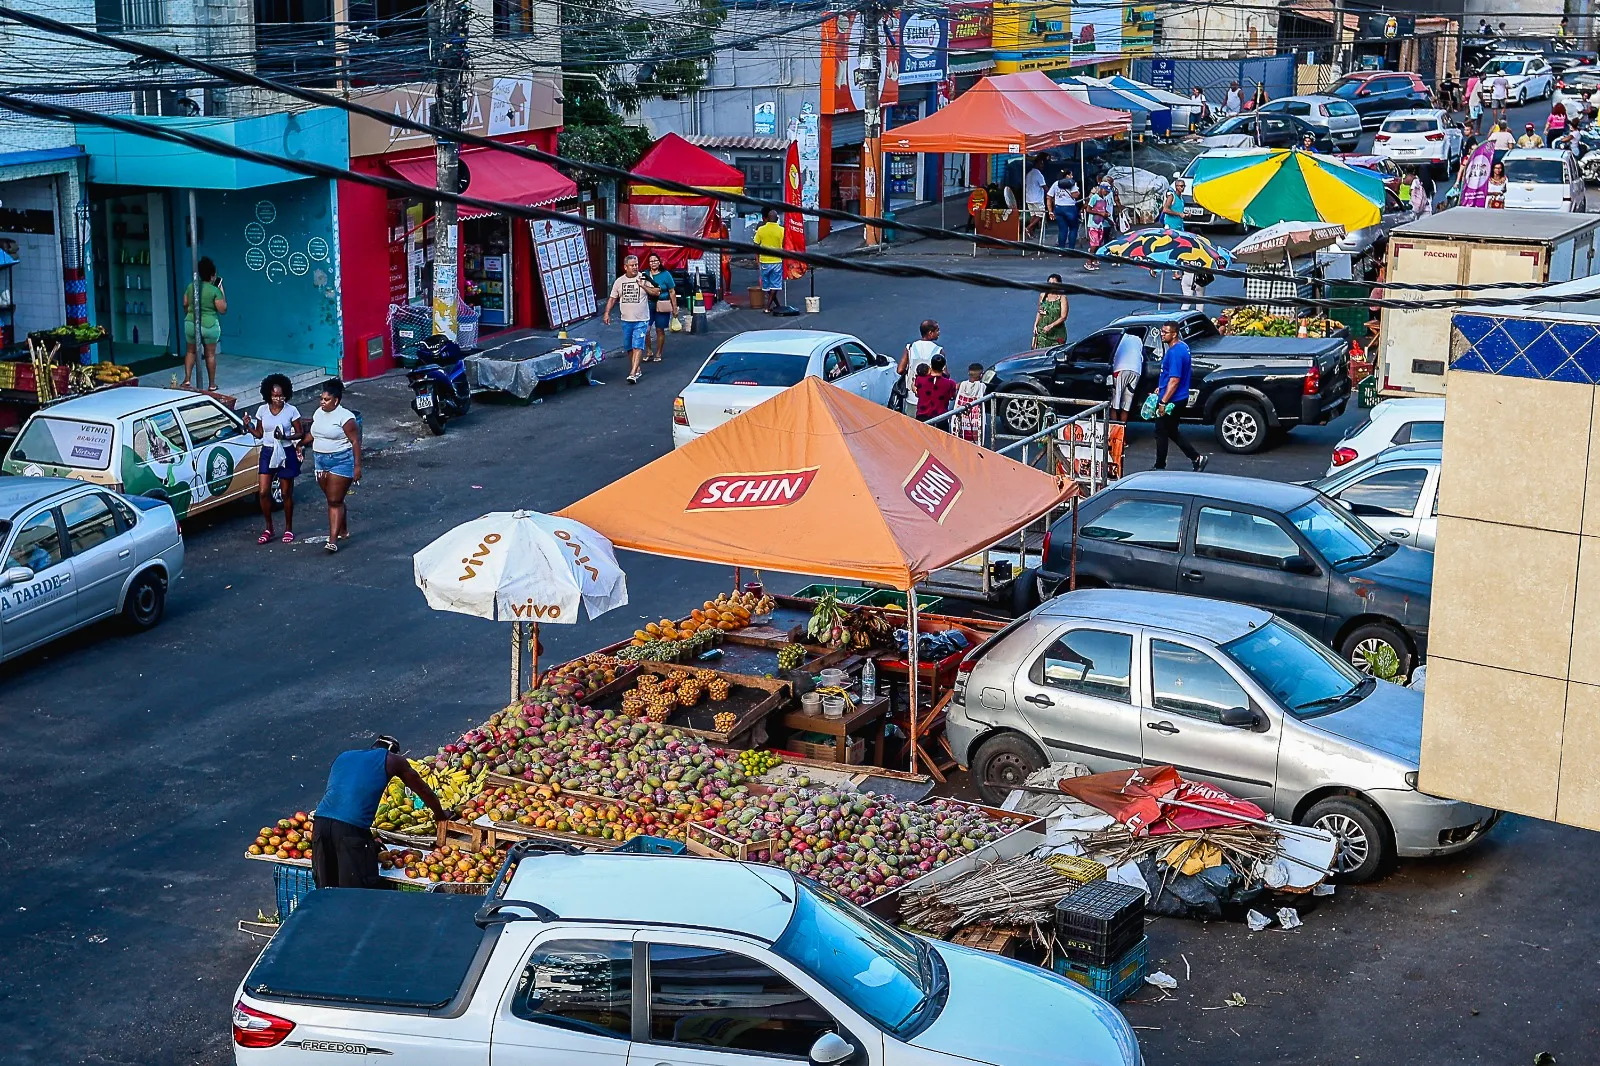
{"points": [[1008, 114], [821, 481]]}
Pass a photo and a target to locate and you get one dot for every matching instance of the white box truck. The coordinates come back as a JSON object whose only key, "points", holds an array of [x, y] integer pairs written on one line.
{"points": [[1468, 246]]}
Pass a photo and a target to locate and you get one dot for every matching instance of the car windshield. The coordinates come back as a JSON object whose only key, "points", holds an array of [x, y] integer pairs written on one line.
{"points": [[1502, 66], [64, 442], [1410, 125], [1237, 124], [753, 368], [878, 970], [1537, 171], [1340, 108], [1346, 89], [1301, 674], [1337, 536]]}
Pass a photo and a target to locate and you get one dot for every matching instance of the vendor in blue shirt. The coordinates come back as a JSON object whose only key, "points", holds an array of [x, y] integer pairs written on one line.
{"points": [[1172, 394], [344, 855]]}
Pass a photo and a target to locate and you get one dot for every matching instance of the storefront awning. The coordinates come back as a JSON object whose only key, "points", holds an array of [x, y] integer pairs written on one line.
{"points": [[496, 175]]}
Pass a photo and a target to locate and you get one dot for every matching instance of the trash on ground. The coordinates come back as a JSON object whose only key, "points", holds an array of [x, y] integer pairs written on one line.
{"points": [[1289, 918], [1256, 920], [1162, 980]]}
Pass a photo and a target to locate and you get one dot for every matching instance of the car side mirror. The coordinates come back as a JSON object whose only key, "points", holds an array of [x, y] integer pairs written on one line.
{"points": [[831, 1049], [1298, 564], [1243, 718], [880, 360], [15, 575]]}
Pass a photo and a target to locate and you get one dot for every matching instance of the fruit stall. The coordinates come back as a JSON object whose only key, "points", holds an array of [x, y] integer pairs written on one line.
{"points": [[52, 366]]}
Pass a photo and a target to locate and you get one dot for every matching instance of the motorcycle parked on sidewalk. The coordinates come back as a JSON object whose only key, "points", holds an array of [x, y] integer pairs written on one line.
{"points": [[439, 382]]}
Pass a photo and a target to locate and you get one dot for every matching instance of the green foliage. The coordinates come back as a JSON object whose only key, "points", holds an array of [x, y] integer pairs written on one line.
{"points": [[612, 145], [1383, 663], [615, 56]]}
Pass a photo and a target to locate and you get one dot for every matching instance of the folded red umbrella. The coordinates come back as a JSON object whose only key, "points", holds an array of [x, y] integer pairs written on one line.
{"points": [[1142, 799]]}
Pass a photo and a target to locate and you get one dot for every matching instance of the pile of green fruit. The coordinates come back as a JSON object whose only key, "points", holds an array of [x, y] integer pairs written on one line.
{"points": [[670, 651], [790, 656], [756, 763]]}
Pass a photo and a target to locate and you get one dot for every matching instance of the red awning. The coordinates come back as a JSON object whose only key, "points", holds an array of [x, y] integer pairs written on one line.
{"points": [[496, 175]]}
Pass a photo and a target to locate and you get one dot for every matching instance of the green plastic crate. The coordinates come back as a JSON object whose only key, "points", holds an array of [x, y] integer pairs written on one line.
{"points": [[889, 597], [846, 593]]}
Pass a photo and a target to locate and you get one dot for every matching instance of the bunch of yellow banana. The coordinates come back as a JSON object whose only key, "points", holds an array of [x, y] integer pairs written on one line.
{"points": [[400, 811]]}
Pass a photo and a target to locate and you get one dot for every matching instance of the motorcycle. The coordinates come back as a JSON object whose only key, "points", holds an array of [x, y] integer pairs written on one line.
{"points": [[439, 382]]}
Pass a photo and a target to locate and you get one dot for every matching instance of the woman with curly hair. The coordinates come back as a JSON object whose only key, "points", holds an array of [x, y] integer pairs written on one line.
{"points": [[277, 425]]}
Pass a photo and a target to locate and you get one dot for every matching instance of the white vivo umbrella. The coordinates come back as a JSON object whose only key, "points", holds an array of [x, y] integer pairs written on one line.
{"points": [[522, 567], [1284, 240]]}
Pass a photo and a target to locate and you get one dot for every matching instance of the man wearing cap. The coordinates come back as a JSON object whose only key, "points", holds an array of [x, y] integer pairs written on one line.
{"points": [[345, 855], [1530, 138]]}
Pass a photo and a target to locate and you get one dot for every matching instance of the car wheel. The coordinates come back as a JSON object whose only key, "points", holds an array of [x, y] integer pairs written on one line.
{"points": [[1363, 845], [1022, 414], [1241, 427], [1005, 760], [1370, 639], [1024, 592], [146, 600], [1522, 96]]}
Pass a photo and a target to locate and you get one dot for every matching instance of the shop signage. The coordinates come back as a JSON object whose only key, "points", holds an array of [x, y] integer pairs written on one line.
{"points": [[923, 40], [971, 26], [494, 107], [729, 492], [842, 53], [1384, 27], [1164, 73], [933, 487], [565, 273], [1139, 30]]}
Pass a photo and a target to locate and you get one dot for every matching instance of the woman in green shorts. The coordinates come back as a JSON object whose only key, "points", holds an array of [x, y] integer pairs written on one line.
{"points": [[213, 302]]}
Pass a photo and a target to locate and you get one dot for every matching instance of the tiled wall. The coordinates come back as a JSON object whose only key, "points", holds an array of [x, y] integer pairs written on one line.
{"points": [[1512, 715]]}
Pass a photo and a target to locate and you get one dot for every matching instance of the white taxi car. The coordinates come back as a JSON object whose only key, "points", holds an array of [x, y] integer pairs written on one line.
{"points": [[1544, 179]]}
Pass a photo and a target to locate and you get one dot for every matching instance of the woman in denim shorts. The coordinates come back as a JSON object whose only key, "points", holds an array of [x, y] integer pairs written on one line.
{"points": [[336, 451]]}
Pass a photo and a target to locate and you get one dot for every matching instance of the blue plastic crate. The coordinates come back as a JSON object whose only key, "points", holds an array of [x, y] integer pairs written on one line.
{"points": [[648, 845], [292, 884], [1113, 982]]}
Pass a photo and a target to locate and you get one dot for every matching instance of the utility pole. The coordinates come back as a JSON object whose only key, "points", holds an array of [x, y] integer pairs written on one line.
{"points": [[871, 73], [447, 49]]}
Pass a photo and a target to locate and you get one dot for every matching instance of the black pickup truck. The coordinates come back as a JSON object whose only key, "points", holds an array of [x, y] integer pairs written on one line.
{"points": [[1246, 387]]}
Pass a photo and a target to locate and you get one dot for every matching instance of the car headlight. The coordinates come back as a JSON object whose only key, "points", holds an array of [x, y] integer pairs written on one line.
{"points": [[989, 375], [1411, 779]]}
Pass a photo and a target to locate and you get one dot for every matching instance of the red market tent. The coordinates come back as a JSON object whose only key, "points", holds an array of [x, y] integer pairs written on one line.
{"points": [[1008, 114], [674, 159]]}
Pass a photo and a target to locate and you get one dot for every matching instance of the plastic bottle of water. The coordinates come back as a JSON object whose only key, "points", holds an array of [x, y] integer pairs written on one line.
{"points": [[869, 681]]}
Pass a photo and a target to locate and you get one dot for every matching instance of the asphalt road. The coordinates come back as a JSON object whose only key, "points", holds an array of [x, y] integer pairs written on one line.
{"points": [[137, 768]]}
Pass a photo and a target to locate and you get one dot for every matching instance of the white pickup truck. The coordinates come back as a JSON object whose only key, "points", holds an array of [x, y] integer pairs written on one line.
{"points": [[647, 960]]}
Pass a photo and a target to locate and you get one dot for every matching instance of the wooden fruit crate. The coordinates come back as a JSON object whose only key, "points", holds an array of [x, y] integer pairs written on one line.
{"points": [[759, 698], [855, 753], [707, 842], [986, 936]]}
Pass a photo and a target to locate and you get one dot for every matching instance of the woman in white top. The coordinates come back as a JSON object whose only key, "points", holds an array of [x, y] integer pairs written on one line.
{"points": [[277, 426], [336, 453]]}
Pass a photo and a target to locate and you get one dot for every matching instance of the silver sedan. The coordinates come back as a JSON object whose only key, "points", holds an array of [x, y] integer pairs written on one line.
{"points": [[72, 553], [1228, 694]]}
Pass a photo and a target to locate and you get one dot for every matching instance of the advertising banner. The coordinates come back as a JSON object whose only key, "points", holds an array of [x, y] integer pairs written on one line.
{"points": [[1096, 32], [923, 43], [842, 51], [971, 26], [794, 223]]}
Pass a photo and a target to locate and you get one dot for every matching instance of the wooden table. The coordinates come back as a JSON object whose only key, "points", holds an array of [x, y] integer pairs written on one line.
{"points": [[861, 714]]}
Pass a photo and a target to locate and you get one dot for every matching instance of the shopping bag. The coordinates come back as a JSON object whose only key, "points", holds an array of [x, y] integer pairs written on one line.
{"points": [[1147, 410], [677, 324]]}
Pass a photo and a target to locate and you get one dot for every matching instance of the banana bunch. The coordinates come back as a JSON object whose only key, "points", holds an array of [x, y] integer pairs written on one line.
{"points": [[401, 811]]}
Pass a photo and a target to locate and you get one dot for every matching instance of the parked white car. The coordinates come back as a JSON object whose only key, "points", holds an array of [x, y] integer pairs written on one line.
{"points": [[1544, 179], [757, 365], [1528, 77], [1416, 137], [1391, 422], [656, 960], [1396, 492]]}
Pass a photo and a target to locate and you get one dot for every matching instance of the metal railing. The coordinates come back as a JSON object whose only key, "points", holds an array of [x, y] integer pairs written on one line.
{"points": [[1072, 440]]}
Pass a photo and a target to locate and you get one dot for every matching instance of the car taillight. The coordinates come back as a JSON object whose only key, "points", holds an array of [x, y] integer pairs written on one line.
{"points": [[1380, 138], [680, 413], [1341, 456], [1044, 549], [1322, 109], [1434, 137], [958, 692], [1313, 383], [254, 1028]]}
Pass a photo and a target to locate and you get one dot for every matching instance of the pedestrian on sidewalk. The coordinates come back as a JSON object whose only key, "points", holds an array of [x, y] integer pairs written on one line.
{"points": [[336, 454], [278, 427], [1099, 220], [769, 235], [1192, 283], [1474, 100], [913, 362], [666, 298], [213, 302], [1499, 91], [345, 855], [1530, 137], [1233, 103], [1050, 320], [630, 295], [969, 401], [1064, 202], [1172, 394], [935, 391]]}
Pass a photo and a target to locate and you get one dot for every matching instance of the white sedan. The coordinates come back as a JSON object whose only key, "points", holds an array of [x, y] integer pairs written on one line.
{"points": [[755, 366], [1528, 77], [1544, 179], [1421, 136]]}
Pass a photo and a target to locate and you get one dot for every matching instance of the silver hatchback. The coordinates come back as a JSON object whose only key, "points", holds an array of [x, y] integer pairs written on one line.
{"points": [[72, 553], [1338, 117], [1228, 694]]}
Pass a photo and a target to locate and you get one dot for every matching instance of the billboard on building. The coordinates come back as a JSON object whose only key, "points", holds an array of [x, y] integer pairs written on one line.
{"points": [[923, 48], [971, 26], [1096, 32], [842, 53], [495, 107]]}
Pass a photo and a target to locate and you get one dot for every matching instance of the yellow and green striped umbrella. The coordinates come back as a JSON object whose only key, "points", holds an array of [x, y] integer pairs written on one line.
{"points": [[1265, 186]]}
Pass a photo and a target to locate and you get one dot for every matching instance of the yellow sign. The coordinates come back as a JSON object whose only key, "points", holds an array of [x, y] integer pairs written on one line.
{"points": [[1029, 27], [1038, 62]]}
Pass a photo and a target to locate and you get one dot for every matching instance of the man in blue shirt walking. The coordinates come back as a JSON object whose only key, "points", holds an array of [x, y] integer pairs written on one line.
{"points": [[344, 854], [1172, 394]]}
